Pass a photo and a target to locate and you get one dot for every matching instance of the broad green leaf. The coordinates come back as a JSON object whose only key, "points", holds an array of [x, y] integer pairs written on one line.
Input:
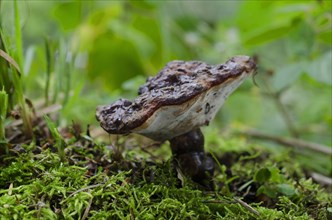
{"points": [[149, 26], [257, 19], [287, 75], [321, 68], [300, 39], [269, 20], [142, 43], [114, 60], [286, 189], [275, 174], [267, 34]]}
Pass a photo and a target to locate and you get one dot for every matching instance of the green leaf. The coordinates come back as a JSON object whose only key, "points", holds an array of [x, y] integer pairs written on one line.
{"points": [[286, 189], [301, 39], [114, 60], [267, 34], [275, 174], [267, 190], [142, 42], [18, 36], [325, 37], [262, 175], [68, 14], [10, 60], [321, 68], [287, 75]]}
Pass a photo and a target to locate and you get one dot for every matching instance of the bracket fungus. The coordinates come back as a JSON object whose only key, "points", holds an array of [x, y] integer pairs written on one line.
{"points": [[174, 105]]}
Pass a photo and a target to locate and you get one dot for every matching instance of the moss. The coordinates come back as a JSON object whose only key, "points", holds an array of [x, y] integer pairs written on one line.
{"points": [[97, 182]]}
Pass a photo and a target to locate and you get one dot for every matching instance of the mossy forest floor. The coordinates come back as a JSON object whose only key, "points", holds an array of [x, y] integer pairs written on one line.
{"points": [[124, 180]]}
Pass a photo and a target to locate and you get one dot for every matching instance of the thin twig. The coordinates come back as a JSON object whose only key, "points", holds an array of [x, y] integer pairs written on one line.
{"points": [[247, 206], [47, 110], [291, 142], [86, 188], [276, 97], [87, 209], [132, 216], [148, 152], [321, 179], [218, 202], [288, 120]]}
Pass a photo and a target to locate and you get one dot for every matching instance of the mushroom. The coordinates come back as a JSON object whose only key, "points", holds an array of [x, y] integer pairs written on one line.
{"points": [[174, 105]]}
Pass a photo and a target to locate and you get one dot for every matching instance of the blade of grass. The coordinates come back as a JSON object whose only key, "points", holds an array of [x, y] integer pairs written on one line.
{"points": [[18, 35], [10, 60], [62, 70], [3, 113], [59, 68], [66, 73], [59, 142], [25, 113], [5, 79], [16, 79], [48, 70], [223, 171]]}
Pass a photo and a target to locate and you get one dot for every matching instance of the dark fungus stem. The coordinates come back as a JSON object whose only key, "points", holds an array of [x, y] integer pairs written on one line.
{"points": [[188, 151], [190, 142]]}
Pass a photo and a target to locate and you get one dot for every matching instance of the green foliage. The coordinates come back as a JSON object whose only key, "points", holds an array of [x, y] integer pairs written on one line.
{"points": [[96, 47]]}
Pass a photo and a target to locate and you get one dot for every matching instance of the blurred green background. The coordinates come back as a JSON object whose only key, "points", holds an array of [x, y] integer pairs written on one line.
{"points": [[88, 53]]}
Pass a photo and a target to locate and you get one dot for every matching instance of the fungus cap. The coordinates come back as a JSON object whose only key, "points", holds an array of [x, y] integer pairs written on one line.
{"points": [[181, 97]]}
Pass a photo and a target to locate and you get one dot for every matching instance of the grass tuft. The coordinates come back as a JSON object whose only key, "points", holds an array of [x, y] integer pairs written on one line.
{"points": [[11, 77], [59, 142]]}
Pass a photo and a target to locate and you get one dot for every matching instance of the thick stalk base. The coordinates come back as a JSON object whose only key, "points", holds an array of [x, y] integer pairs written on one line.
{"points": [[188, 151]]}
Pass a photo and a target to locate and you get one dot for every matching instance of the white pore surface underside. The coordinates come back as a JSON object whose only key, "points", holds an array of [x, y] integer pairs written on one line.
{"points": [[174, 120]]}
